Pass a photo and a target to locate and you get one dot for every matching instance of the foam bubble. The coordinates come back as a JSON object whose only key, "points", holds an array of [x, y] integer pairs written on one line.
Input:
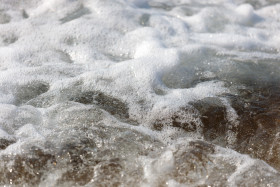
{"points": [[132, 92]]}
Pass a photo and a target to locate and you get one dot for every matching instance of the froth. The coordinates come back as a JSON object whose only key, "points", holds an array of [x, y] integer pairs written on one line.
{"points": [[132, 92]]}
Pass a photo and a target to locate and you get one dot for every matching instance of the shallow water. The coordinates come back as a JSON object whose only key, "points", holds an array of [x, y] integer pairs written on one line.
{"points": [[139, 93]]}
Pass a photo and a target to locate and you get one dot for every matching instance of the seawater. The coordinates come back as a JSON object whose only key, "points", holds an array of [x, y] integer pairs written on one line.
{"points": [[139, 93]]}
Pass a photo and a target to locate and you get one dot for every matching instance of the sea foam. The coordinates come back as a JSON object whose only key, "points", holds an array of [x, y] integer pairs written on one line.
{"points": [[132, 92]]}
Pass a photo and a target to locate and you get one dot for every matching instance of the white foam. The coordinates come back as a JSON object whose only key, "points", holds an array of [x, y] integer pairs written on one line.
{"points": [[155, 57], [5, 135]]}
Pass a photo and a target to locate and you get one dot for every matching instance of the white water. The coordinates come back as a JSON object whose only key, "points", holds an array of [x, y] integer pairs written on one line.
{"points": [[135, 92]]}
